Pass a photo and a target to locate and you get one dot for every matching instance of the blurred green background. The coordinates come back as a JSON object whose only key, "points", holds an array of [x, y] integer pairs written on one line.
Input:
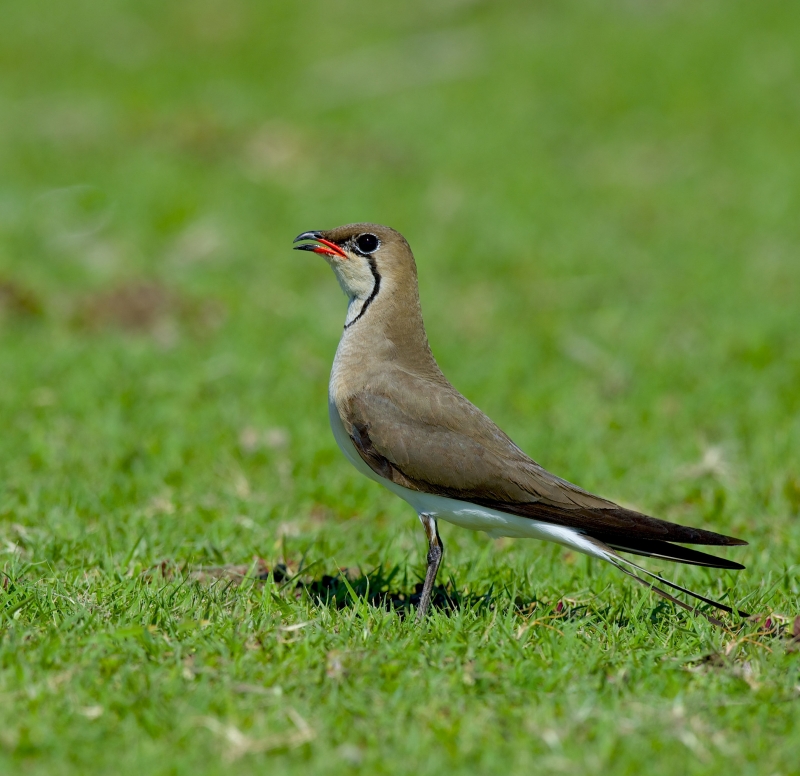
{"points": [[603, 201]]}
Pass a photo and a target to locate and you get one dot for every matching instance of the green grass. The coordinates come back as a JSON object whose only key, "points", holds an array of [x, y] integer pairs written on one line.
{"points": [[603, 200]]}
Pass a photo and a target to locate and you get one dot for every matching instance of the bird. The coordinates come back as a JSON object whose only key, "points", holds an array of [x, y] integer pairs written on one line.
{"points": [[400, 422]]}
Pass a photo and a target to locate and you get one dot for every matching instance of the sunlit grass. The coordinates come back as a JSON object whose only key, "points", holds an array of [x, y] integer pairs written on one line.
{"points": [[602, 199]]}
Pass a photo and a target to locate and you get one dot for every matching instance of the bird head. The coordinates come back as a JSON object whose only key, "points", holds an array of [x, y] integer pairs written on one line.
{"points": [[367, 258]]}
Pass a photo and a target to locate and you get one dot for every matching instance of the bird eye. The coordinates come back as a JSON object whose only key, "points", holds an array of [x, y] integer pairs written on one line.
{"points": [[367, 243]]}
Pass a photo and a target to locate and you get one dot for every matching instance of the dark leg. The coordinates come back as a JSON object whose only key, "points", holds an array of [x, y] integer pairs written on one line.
{"points": [[435, 552]]}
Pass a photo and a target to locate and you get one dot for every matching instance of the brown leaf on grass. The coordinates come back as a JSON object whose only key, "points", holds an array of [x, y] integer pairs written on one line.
{"points": [[257, 570], [149, 308], [165, 569], [778, 626], [17, 301]]}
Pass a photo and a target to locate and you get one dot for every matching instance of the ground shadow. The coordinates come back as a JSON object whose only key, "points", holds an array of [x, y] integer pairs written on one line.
{"points": [[391, 588], [383, 587], [388, 588]]}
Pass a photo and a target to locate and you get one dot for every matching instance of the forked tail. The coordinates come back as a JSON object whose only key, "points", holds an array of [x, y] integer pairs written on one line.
{"points": [[630, 568]]}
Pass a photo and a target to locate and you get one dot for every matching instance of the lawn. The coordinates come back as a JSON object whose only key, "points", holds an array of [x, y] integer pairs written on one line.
{"points": [[603, 201]]}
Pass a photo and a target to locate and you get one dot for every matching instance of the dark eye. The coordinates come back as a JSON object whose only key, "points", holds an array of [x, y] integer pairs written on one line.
{"points": [[367, 243]]}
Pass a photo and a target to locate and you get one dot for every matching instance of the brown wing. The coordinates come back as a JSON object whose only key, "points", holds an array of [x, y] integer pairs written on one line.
{"points": [[440, 443]]}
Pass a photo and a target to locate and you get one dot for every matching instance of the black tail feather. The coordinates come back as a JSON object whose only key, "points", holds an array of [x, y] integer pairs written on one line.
{"points": [[654, 548], [669, 597], [625, 565], [682, 589]]}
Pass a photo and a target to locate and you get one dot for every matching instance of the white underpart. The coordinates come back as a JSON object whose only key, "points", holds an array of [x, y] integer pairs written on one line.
{"points": [[354, 309], [463, 513]]}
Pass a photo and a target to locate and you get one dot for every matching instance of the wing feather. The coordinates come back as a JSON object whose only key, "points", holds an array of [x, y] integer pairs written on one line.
{"points": [[429, 438]]}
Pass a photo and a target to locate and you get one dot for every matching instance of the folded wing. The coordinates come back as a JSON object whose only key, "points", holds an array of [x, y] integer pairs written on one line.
{"points": [[429, 438]]}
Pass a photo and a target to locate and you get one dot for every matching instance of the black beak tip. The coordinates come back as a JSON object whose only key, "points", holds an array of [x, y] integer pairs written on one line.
{"points": [[305, 247], [315, 235]]}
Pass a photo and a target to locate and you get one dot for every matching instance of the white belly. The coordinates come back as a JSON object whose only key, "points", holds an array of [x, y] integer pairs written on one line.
{"points": [[463, 513]]}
